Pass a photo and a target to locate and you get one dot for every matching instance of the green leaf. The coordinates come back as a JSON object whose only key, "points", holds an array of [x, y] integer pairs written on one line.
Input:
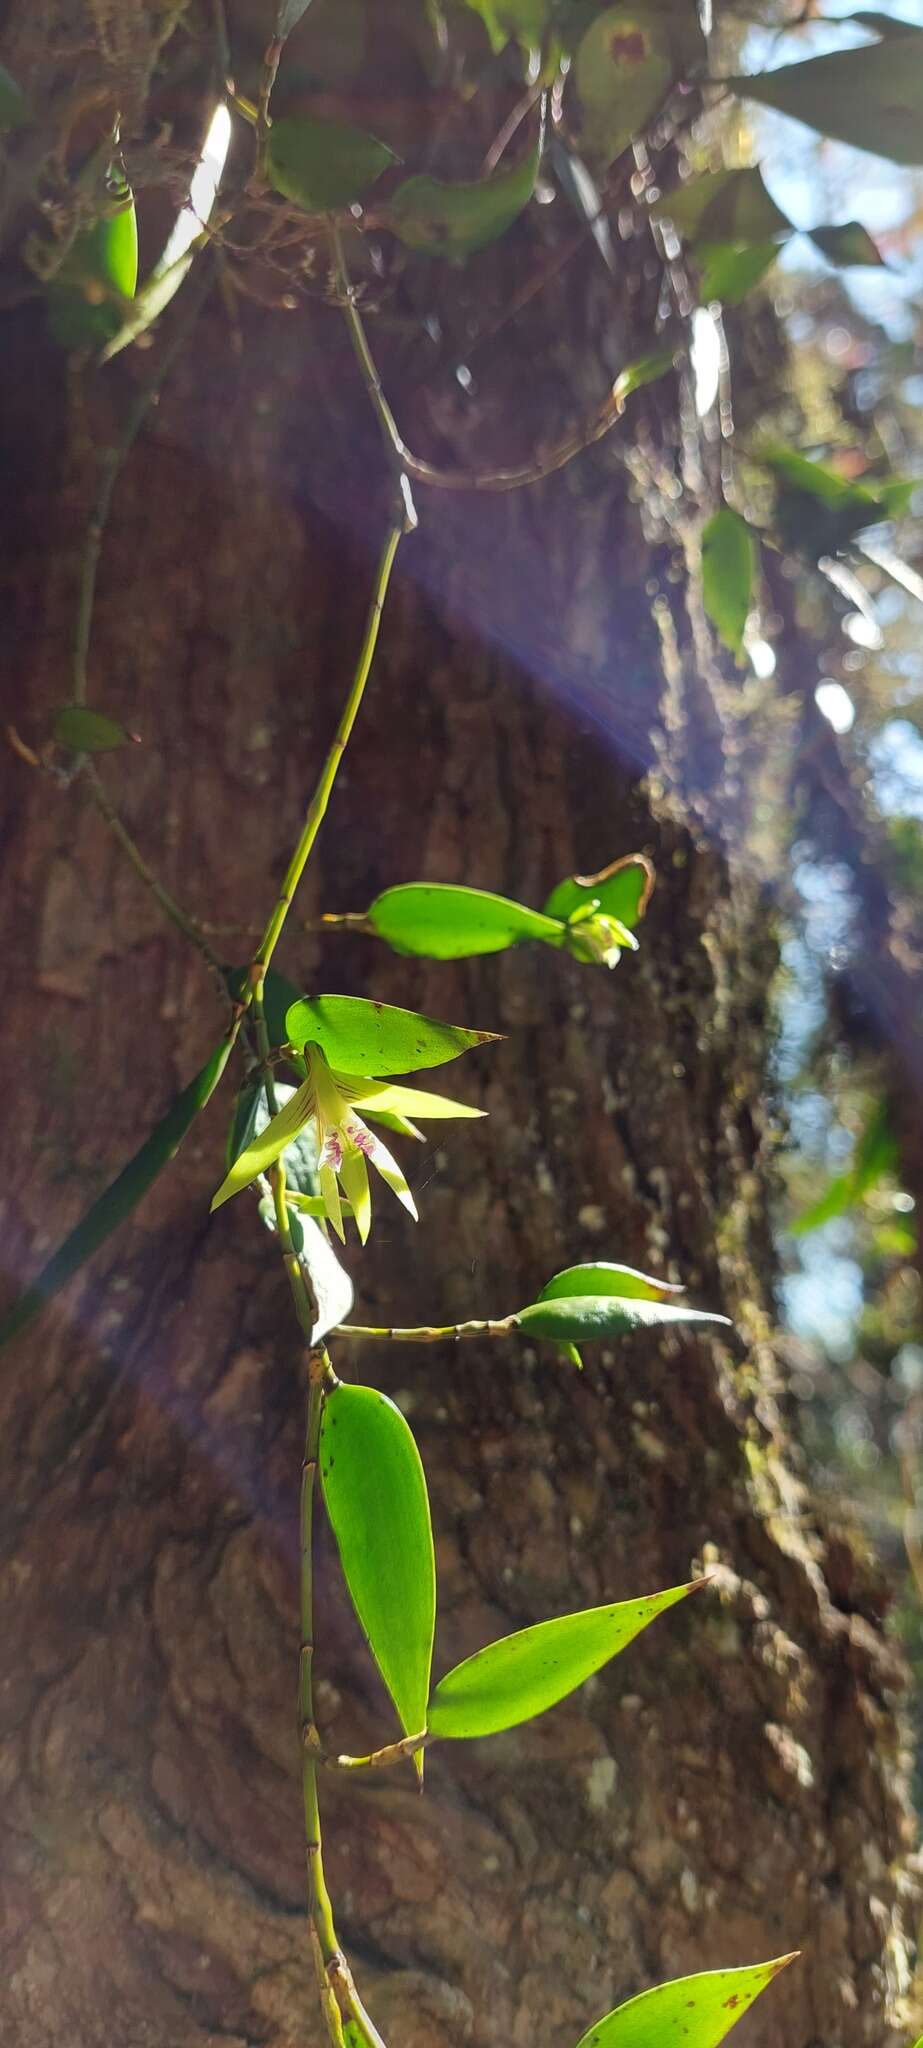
{"points": [[622, 890], [521, 21], [587, 1318], [288, 15], [645, 370], [848, 245], [322, 164], [729, 270], [265, 1145], [728, 565], [14, 107], [690, 2012], [87, 299], [119, 1200], [439, 219], [525, 1674], [360, 1037], [438, 921], [871, 98], [606, 1278], [623, 70], [374, 1491], [87, 732], [724, 206], [153, 299], [818, 511], [877, 1155]]}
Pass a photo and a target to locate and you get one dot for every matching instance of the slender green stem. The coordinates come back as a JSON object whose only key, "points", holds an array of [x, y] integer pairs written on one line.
{"points": [[507, 1326], [168, 904], [317, 808]]}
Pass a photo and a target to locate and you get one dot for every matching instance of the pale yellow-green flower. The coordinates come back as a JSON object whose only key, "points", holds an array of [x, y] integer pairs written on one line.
{"points": [[326, 1101]]}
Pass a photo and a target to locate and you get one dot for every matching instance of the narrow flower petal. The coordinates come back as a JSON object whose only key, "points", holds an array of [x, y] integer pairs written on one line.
{"points": [[264, 1150], [354, 1176], [331, 1195], [378, 1096], [367, 1142]]}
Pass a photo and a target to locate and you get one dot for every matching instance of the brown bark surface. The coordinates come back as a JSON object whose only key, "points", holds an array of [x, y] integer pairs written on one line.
{"points": [[732, 1788]]}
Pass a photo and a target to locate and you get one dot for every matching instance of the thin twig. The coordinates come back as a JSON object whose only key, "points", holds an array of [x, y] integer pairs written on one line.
{"points": [[172, 910], [111, 465], [507, 1326], [543, 463]]}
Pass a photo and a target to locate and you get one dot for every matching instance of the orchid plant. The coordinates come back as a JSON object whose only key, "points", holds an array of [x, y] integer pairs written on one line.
{"points": [[321, 1075]]}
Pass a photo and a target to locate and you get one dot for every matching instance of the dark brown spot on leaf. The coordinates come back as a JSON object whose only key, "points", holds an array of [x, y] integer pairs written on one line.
{"points": [[628, 47]]}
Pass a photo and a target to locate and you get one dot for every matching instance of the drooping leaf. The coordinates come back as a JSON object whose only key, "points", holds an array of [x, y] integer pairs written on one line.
{"points": [[455, 220], [690, 2012], [605, 1278], [265, 1145], [375, 1494], [322, 164], [728, 565], [623, 70], [587, 1318], [360, 1037], [724, 206], [871, 98], [524, 1674], [818, 511], [729, 270], [819, 480], [86, 731], [125, 1192], [87, 298], [14, 107], [622, 890], [438, 921], [848, 245], [154, 297], [877, 1155]]}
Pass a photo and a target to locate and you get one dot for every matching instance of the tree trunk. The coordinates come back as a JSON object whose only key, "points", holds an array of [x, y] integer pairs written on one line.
{"points": [[732, 1788]]}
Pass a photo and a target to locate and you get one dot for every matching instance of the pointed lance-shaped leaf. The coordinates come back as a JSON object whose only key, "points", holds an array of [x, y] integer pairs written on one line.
{"points": [[360, 1037], [602, 1277], [622, 890], [729, 270], [375, 1494], [584, 1318], [728, 564], [698, 2011], [455, 220], [522, 1675], [871, 97], [86, 731], [848, 245], [320, 165], [724, 206], [119, 1199], [439, 921]]}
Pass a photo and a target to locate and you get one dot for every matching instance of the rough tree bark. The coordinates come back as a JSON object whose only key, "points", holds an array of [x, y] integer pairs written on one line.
{"points": [[732, 1788]]}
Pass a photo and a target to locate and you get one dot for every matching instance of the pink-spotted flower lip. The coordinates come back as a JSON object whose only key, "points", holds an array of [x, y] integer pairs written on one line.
{"points": [[346, 1146]]}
